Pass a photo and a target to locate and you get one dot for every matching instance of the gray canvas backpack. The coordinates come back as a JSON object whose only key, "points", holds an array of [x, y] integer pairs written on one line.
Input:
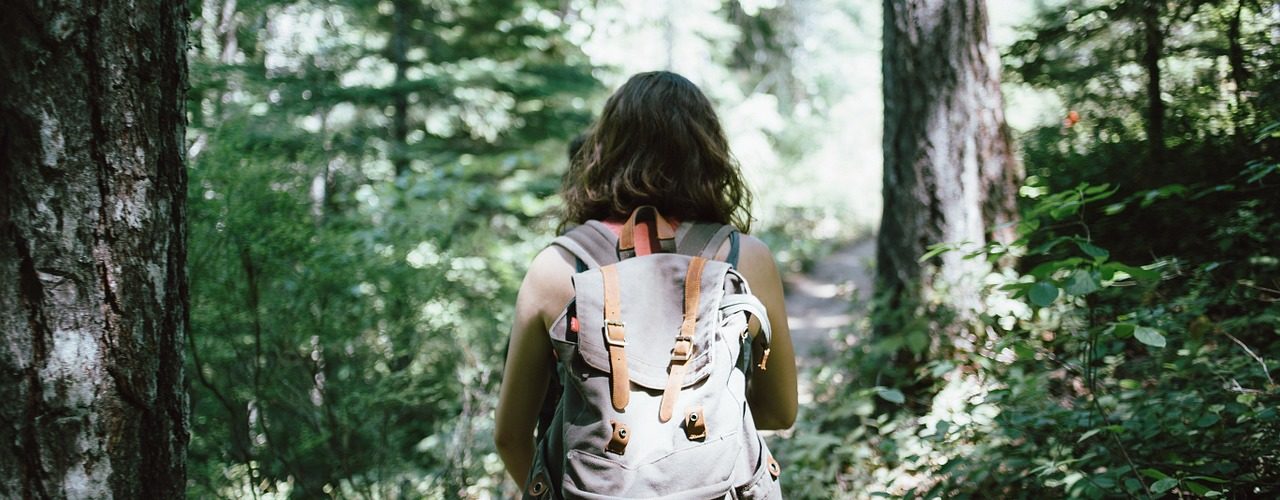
{"points": [[653, 359]]}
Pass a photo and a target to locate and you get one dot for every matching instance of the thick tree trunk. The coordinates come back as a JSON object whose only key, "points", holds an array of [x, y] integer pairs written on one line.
{"points": [[949, 173], [93, 297]]}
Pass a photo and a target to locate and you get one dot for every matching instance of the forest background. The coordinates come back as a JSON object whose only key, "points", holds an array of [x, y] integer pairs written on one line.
{"points": [[367, 180]]}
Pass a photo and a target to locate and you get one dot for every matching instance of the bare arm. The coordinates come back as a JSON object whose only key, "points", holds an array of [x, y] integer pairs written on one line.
{"points": [[530, 363], [772, 394]]}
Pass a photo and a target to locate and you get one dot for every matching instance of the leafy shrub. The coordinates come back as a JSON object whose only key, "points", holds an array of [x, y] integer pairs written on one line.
{"points": [[1093, 376]]}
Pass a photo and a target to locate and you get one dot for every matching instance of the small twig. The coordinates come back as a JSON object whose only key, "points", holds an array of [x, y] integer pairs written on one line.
{"points": [[1251, 354], [1260, 288], [1123, 451]]}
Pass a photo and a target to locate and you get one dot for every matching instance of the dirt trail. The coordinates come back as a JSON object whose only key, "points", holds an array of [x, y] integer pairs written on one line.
{"points": [[833, 295]]}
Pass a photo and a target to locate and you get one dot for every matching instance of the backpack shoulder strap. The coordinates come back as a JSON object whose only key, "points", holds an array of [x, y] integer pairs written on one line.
{"points": [[592, 243], [705, 239], [692, 237]]}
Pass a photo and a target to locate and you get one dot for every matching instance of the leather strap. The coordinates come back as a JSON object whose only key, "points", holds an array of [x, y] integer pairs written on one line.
{"points": [[683, 348], [695, 424], [627, 238], [615, 337], [619, 438]]}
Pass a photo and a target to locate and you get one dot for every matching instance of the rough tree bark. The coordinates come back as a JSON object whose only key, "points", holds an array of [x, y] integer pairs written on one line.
{"points": [[949, 172], [93, 297]]}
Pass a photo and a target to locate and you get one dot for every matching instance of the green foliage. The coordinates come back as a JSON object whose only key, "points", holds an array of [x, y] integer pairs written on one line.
{"points": [[351, 288], [1117, 379], [1131, 350], [369, 181]]}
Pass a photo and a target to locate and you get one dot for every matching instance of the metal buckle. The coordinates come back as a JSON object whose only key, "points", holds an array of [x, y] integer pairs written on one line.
{"points": [[609, 325], [678, 354]]}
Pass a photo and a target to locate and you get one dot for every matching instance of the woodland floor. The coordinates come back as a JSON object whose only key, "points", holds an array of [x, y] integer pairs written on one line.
{"points": [[825, 303]]}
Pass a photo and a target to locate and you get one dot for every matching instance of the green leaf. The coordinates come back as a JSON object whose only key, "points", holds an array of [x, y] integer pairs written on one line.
{"points": [[1207, 420], [1110, 269], [1048, 246], [1197, 488], [1089, 434], [1082, 282], [1163, 485], [1092, 250], [1047, 269], [1123, 330], [1210, 479], [917, 341], [1096, 189], [1043, 293], [1114, 208], [1154, 474], [934, 251], [1149, 336], [891, 395]]}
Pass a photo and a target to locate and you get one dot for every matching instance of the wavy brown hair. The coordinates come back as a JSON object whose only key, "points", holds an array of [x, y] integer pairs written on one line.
{"points": [[658, 142]]}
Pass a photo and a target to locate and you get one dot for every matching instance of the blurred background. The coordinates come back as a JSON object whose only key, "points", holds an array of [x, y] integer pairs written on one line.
{"points": [[369, 179]]}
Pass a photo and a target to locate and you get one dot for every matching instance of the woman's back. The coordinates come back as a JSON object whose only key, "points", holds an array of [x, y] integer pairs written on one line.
{"points": [[658, 143]]}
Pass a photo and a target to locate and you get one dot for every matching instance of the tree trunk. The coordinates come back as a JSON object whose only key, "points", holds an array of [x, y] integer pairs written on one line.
{"points": [[1236, 54], [93, 296], [949, 173], [1155, 104], [400, 122]]}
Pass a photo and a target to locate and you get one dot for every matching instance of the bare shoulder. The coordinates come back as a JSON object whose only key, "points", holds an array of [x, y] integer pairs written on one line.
{"points": [[551, 262], [548, 285], [756, 262], [752, 248]]}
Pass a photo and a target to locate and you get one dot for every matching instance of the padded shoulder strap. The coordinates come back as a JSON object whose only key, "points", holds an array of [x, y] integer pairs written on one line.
{"points": [[692, 237], [720, 233], [592, 243]]}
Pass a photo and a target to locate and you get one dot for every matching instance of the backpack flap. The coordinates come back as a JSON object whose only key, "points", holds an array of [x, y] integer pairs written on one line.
{"points": [[651, 292]]}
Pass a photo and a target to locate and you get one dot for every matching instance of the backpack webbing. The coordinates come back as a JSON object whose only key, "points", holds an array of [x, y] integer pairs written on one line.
{"points": [[594, 245]]}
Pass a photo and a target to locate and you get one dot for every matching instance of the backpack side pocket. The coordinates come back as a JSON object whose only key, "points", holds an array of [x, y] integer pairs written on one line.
{"points": [[539, 486], [764, 483]]}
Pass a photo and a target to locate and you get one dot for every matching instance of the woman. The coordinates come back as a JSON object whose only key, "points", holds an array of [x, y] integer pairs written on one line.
{"points": [[659, 143]]}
